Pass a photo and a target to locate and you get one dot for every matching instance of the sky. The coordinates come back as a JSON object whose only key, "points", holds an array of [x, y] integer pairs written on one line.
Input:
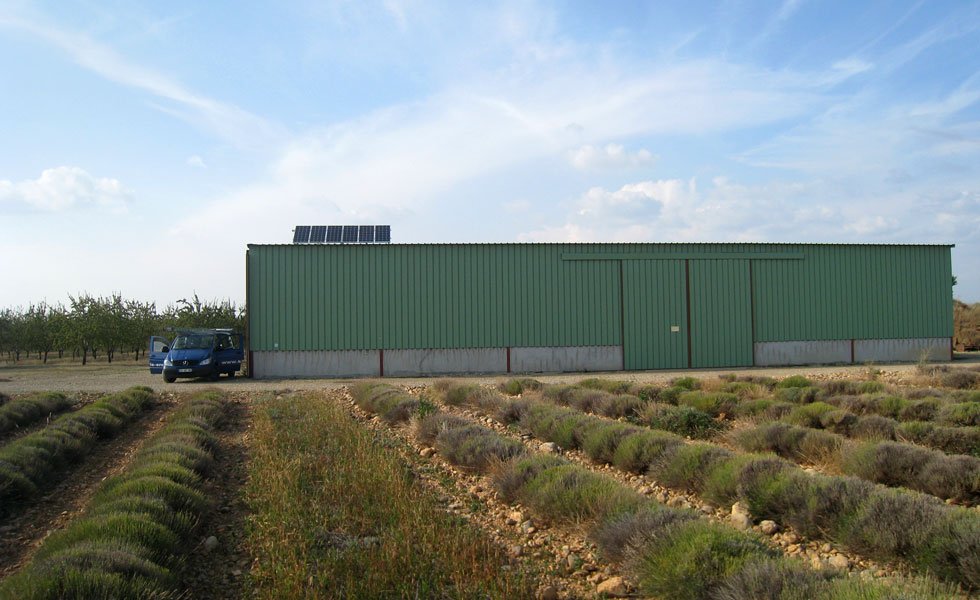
{"points": [[145, 144]]}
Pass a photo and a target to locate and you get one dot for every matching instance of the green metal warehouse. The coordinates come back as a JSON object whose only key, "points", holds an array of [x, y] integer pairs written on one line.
{"points": [[342, 310]]}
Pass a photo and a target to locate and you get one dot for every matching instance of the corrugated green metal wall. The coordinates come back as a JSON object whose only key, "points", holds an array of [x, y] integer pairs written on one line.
{"points": [[841, 292], [428, 296], [359, 297]]}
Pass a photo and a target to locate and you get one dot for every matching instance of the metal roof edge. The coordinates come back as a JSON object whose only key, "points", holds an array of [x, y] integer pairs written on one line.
{"points": [[585, 244]]}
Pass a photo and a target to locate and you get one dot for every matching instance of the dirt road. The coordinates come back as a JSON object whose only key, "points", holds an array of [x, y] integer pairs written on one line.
{"points": [[101, 377]]}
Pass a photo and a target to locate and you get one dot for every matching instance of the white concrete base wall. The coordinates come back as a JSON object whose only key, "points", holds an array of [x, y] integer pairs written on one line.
{"points": [[456, 361], [316, 363], [909, 350], [566, 359], [424, 362], [559, 359], [772, 354]]}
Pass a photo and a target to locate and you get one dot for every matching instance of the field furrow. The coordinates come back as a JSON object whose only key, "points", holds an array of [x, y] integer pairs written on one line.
{"points": [[128, 542], [218, 569], [24, 532], [32, 464]]}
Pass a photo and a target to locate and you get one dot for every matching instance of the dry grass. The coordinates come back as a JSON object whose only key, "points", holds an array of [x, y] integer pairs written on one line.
{"points": [[335, 514]]}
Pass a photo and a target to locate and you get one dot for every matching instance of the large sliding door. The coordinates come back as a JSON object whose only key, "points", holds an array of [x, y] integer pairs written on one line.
{"points": [[654, 314], [661, 298], [721, 313]]}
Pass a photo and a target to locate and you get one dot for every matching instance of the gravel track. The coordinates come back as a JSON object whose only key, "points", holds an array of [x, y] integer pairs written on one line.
{"points": [[219, 573], [102, 377]]}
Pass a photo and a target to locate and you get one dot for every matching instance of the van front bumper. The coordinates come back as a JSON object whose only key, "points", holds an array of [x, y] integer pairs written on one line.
{"points": [[190, 371]]}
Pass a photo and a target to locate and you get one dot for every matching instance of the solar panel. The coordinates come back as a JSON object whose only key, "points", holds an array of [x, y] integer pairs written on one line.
{"points": [[301, 235], [350, 234], [318, 234], [342, 234]]}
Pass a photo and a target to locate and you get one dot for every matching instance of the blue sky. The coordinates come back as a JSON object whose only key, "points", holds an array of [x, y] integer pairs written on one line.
{"points": [[146, 143]]}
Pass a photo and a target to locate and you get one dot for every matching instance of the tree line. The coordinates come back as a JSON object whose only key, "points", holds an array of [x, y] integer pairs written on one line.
{"points": [[88, 325]]}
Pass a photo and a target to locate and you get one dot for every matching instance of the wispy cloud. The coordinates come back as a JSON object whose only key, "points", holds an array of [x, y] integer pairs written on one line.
{"points": [[964, 21], [221, 118], [787, 8], [786, 11], [404, 157], [856, 136]]}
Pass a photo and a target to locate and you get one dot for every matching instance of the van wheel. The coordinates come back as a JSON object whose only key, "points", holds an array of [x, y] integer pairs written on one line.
{"points": [[170, 378], [231, 374], [214, 375]]}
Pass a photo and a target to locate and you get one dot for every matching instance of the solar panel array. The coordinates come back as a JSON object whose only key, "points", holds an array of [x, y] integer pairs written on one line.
{"points": [[342, 234]]}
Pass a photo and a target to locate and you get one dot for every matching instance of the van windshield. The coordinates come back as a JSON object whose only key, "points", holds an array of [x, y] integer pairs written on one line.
{"points": [[193, 342]]}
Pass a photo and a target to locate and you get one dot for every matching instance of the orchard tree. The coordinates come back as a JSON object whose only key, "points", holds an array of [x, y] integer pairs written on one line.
{"points": [[39, 334], [60, 324], [84, 319], [197, 313], [143, 322]]}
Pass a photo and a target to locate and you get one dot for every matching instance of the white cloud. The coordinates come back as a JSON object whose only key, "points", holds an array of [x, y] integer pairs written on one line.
{"points": [[871, 225], [845, 210], [196, 162], [636, 200], [675, 210], [609, 156], [64, 188]]}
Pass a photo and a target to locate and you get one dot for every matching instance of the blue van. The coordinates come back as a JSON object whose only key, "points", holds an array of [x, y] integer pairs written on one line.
{"points": [[197, 353]]}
